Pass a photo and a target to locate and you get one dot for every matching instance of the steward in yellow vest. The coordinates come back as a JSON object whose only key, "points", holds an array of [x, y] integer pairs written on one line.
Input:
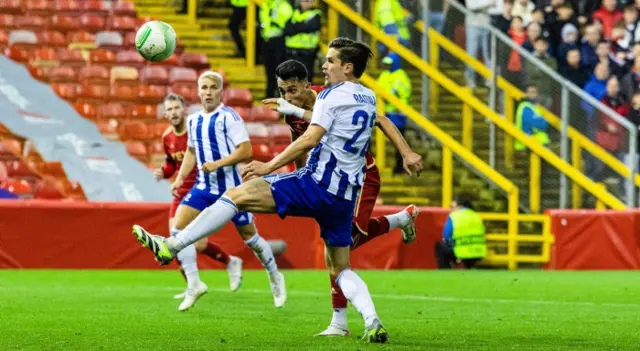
{"points": [[302, 35], [274, 15], [463, 241], [391, 20], [529, 119]]}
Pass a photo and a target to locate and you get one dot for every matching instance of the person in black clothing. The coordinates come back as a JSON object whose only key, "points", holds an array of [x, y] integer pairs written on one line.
{"points": [[573, 71], [556, 20], [503, 21], [238, 16]]}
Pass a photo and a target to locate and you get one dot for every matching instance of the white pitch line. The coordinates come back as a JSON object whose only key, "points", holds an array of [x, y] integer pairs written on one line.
{"points": [[439, 298]]}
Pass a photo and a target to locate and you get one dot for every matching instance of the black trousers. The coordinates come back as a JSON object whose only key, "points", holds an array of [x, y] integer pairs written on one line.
{"points": [[237, 17], [307, 57], [274, 54], [447, 259]]}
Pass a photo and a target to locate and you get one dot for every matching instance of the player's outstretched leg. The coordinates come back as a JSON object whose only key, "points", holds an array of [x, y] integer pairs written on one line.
{"points": [[338, 325], [406, 219], [195, 287]]}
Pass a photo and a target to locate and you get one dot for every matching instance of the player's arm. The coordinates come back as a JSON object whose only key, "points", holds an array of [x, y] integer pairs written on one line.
{"points": [[410, 158], [188, 163], [169, 167], [287, 108], [242, 153]]}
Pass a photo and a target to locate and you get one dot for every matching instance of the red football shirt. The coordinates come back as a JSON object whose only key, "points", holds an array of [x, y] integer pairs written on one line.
{"points": [[175, 146], [299, 125]]}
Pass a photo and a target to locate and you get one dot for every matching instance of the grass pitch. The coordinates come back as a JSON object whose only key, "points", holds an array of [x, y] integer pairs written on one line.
{"points": [[423, 310]]}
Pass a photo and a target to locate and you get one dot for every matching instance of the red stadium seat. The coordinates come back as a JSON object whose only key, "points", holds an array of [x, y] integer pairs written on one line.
{"points": [[188, 92], [94, 7], [10, 149], [39, 7], [109, 40], [156, 130], [237, 97], [73, 191], [278, 148], [52, 39], [3, 174], [264, 114], [30, 22], [124, 93], [37, 73], [143, 112], [19, 187], [67, 91], [183, 75], [81, 37], [280, 133], [154, 75], [152, 94], [124, 75], [54, 169], [93, 75], [63, 23], [258, 133], [49, 188], [71, 57], [11, 6], [130, 40], [244, 112], [261, 152], [124, 8], [93, 93], [19, 169], [17, 54], [7, 21], [67, 7], [87, 111], [4, 39], [91, 23], [137, 149], [108, 128], [194, 60], [130, 58], [102, 57], [122, 24], [61, 75], [44, 56], [112, 111], [172, 61]]}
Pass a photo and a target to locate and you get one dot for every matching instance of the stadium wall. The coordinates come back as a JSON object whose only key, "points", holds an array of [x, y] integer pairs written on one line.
{"points": [[97, 235]]}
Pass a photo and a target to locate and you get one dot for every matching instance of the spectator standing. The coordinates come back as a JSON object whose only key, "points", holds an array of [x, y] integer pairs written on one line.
{"points": [[477, 34], [302, 35], [630, 83], [610, 135], [607, 16], [238, 15], [534, 31], [569, 40], [523, 9], [514, 66], [538, 78], [556, 20], [588, 47], [573, 71], [503, 20]]}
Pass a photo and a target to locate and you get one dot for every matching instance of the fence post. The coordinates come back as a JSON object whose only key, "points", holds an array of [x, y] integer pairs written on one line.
{"points": [[425, 57], [359, 30], [434, 56], [492, 101], [447, 176], [534, 183], [250, 53], [192, 11], [381, 156], [633, 165], [576, 161], [512, 230], [564, 143], [508, 139]]}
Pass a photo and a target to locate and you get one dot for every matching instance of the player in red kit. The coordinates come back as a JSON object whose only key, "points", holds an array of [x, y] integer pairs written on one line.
{"points": [[175, 145], [298, 98]]}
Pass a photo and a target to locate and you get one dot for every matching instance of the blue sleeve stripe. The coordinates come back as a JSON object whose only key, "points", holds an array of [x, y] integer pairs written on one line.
{"points": [[323, 95]]}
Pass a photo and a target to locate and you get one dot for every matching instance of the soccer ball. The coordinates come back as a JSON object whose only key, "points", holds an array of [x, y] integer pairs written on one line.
{"points": [[156, 41]]}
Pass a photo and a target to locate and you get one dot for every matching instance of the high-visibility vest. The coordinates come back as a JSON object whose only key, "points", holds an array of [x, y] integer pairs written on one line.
{"points": [[239, 3], [305, 41], [398, 80], [390, 12], [540, 135], [274, 15], [468, 234]]}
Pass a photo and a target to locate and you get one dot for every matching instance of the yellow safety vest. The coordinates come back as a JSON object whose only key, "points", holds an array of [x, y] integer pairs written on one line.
{"points": [[541, 136], [468, 234], [390, 12], [274, 15], [398, 80], [239, 3], [305, 41]]}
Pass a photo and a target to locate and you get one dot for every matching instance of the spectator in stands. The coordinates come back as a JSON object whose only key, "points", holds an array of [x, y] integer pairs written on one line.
{"points": [[534, 31], [390, 19], [634, 117], [274, 14], [463, 244], [529, 119], [609, 134], [514, 66], [302, 35], [503, 20], [569, 41], [608, 15], [538, 17], [631, 22], [477, 34], [585, 9], [588, 48], [537, 77], [573, 71], [596, 87], [238, 16], [523, 9], [556, 20], [630, 83], [621, 41], [437, 11], [605, 55]]}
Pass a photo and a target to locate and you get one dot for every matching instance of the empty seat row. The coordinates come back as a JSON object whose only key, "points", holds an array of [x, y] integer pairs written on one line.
{"points": [[86, 22], [69, 7]]}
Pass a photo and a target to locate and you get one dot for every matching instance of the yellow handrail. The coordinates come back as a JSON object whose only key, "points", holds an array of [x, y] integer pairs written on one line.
{"points": [[576, 176]]}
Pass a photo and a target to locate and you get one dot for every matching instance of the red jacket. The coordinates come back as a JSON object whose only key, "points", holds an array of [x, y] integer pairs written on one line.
{"points": [[608, 19], [609, 133]]}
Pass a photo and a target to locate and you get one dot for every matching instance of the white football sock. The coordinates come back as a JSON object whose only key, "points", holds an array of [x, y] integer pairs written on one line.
{"points": [[356, 291], [263, 252], [189, 263], [339, 317], [398, 220], [209, 221]]}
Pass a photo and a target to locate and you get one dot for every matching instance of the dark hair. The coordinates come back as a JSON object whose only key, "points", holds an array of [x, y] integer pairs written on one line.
{"points": [[291, 69], [630, 7], [464, 200], [517, 17], [573, 48], [541, 38], [174, 97], [531, 85], [353, 52]]}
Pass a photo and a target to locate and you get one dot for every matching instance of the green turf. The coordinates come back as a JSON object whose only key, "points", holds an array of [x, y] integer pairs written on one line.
{"points": [[423, 310]]}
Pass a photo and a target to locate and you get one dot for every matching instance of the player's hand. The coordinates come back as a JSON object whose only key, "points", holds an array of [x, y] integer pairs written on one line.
{"points": [[158, 174], [209, 167], [412, 160], [255, 169], [284, 107], [176, 185]]}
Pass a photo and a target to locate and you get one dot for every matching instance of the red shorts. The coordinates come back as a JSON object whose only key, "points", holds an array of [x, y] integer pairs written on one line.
{"points": [[367, 200], [182, 192]]}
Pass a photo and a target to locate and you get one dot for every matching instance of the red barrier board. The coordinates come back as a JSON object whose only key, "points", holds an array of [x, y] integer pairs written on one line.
{"points": [[93, 235], [595, 240]]}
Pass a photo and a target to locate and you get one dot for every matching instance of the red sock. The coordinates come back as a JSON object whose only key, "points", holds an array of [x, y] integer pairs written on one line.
{"points": [[337, 297], [215, 252], [377, 226]]}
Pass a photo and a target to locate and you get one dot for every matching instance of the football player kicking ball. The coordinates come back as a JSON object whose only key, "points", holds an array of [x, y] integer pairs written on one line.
{"points": [[217, 141], [175, 141], [299, 98], [326, 189]]}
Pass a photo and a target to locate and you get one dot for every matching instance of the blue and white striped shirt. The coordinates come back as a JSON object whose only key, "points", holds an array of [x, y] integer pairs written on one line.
{"points": [[214, 136]]}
